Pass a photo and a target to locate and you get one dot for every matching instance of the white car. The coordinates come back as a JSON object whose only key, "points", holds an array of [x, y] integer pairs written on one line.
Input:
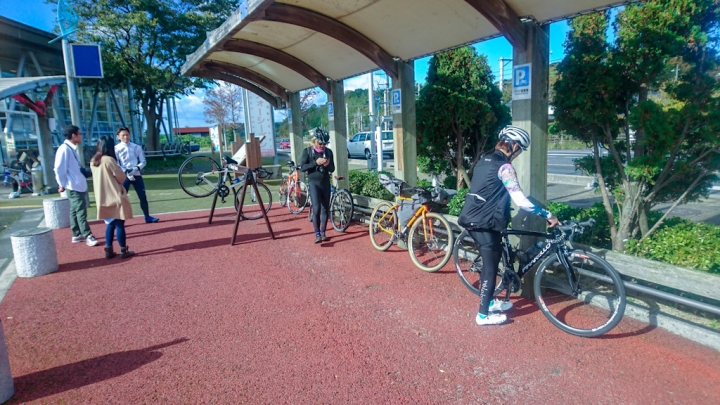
{"points": [[359, 145]]}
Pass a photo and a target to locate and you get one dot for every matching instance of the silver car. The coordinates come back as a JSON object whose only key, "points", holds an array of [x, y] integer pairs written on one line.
{"points": [[359, 145]]}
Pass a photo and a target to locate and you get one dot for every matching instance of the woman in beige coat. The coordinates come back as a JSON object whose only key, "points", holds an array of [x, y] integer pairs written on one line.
{"points": [[110, 196]]}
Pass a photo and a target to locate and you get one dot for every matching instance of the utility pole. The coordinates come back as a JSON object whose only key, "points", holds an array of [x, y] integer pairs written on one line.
{"points": [[72, 96], [371, 102], [502, 66]]}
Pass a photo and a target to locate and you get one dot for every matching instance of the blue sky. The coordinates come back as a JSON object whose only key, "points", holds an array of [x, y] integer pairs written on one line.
{"points": [[38, 14]]}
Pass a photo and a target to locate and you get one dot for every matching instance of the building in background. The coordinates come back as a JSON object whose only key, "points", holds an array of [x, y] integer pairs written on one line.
{"points": [[26, 54]]}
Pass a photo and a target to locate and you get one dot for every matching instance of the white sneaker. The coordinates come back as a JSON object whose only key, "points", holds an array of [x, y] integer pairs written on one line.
{"points": [[91, 241], [492, 319], [497, 305], [78, 239]]}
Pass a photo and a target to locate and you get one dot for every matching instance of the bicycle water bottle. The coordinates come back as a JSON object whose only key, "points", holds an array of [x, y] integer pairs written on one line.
{"points": [[6, 180], [531, 252], [236, 180]]}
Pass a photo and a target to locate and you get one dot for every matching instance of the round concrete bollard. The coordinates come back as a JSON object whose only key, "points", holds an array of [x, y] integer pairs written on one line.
{"points": [[34, 252], [7, 386], [57, 212]]}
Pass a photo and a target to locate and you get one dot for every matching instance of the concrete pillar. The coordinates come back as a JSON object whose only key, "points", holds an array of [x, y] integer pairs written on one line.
{"points": [[338, 131], [295, 128], [532, 115], [404, 128]]}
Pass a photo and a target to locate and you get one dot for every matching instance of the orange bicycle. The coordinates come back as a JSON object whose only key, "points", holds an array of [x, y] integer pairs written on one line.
{"points": [[428, 235], [293, 191]]}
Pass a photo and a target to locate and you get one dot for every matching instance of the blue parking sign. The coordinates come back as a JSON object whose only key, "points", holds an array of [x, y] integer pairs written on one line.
{"points": [[396, 101], [522, 87]]}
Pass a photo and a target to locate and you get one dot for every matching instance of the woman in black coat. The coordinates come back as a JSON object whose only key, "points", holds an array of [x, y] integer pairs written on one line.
{"points": [[318, 162]]}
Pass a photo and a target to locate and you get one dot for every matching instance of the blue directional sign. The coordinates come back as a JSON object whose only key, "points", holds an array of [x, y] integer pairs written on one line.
{"points": [[86, 61], [331, 112], [396, 101], [521, 88]]}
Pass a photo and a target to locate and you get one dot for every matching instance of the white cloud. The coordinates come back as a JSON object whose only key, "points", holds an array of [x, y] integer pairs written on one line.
{"points": [[357, 82], [190, 110]]}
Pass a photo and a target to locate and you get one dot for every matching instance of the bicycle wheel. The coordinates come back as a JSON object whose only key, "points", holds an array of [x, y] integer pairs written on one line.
{"points": [[597, 305], [342, 209], [298, 198], [430, 242], [383, 222], [198, 176], [282, 192], [468, 264], [251, 206]]}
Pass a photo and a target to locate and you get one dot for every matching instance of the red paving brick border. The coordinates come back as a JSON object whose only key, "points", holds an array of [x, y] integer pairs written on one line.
{"points": [[193, 320]]}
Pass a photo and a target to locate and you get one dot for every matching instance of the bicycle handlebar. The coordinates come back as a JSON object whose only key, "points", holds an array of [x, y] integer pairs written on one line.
{"points": [[573, 227]]}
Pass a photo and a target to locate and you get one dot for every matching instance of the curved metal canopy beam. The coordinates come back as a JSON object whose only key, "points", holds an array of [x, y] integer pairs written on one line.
{"points": [[248, 75], [283, 13], [504, 19], [276, 55], [211, 74]]}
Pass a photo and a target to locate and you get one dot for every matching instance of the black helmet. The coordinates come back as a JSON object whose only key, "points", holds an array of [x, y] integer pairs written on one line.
{"points": [[322, 136]]}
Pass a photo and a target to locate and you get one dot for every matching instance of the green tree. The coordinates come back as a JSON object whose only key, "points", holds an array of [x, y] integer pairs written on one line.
{"points": [[145, 42], [459, 111], [606, 91]]}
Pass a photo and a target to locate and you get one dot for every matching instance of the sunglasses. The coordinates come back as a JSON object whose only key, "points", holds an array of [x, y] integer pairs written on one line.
{"points": [[320, 144]]}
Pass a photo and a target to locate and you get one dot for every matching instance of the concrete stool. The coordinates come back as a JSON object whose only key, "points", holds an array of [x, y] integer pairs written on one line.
{"points": [[7, 386], [34, 252], [57, 212]]}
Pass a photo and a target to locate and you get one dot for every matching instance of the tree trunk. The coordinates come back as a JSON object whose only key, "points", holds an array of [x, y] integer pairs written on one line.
{"points": [[459, 164], [149, 106], [643, 210], [604, 192]]}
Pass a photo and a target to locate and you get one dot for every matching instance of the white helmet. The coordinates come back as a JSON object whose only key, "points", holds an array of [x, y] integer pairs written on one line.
{"points": [[517, 135]]}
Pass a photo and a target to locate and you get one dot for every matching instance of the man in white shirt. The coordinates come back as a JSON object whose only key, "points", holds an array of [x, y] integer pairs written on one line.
{"points": [[132, 160], [70, 178]]}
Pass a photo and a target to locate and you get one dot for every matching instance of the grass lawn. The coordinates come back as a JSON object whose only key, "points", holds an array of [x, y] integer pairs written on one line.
{"points": [[163, 193]]}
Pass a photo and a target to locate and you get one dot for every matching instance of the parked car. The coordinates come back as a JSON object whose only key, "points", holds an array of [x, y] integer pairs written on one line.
{"points": [[359, 145], [285, 143]]}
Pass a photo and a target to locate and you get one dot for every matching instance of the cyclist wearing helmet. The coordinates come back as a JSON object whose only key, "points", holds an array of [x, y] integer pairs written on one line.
{"points": [[486, 213], [317, 161]]}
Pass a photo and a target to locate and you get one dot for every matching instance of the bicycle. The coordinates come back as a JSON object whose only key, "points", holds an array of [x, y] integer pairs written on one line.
{"points": [[342, 206], [428, 235], [296, 198], [21, 179], [201, 176], [579, 292]]}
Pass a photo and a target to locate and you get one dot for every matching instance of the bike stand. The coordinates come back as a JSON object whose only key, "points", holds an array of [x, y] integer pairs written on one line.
{"points": [[249, 179], [212, 209]]}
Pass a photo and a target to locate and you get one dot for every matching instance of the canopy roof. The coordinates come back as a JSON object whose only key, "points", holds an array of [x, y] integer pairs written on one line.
{"points": [[15, 85], [291, 45]]}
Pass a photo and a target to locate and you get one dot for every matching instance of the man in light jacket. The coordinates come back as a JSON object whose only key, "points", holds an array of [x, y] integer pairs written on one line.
{"points": [[70, 178], [132, 160]]}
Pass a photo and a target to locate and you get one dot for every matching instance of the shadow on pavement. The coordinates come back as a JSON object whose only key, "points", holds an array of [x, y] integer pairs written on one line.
{"points": [[41, 384]]}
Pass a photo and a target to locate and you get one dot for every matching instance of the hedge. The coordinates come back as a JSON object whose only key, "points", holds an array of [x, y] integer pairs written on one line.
{"points": [[678, 241]]}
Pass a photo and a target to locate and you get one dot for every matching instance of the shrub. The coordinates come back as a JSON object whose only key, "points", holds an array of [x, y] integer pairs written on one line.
{"points": [[163, 164], [456, 203], [366, 183], [684, 244], [450, 182]]}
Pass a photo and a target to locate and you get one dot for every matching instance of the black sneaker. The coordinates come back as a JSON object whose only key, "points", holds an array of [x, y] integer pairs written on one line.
{"points": [[323, 238], [317, 239]]}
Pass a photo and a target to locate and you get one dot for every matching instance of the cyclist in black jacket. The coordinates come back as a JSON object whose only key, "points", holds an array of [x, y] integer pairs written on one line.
{"points": [[486, 213], [317, 161]]}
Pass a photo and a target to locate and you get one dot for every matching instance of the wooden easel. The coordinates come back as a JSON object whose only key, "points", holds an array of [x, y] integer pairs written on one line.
{"points": [[249, 180]]}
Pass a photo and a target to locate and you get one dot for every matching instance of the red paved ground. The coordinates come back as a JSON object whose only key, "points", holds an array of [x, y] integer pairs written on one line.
{"points": [[193, 320]]}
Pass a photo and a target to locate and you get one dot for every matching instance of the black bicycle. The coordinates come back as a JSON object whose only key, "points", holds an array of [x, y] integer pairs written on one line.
{"points": [[578, 291]]}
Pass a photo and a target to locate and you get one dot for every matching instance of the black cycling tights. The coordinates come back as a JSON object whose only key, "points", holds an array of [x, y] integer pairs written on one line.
{"points": [[488, 243], [320, 196]]}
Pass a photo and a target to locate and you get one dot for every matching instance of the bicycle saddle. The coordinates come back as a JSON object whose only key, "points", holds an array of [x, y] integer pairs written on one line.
{"points": [[230, 160], [339, 177]]}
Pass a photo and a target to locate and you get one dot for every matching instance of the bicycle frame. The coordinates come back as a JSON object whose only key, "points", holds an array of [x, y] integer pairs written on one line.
{"points": [[555, 242], [420, 212]]}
